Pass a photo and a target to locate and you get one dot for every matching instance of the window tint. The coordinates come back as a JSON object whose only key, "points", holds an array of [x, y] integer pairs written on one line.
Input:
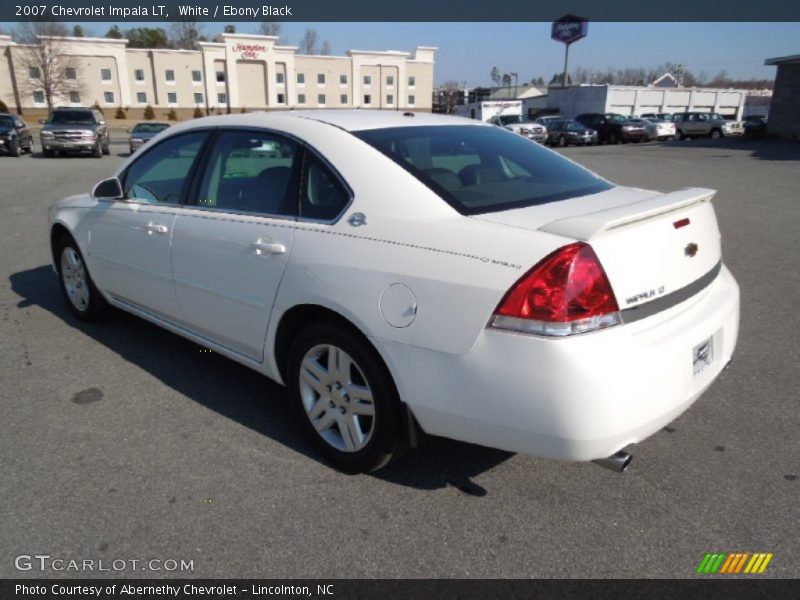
{"points": [[160, 175], [323, 196], [479, 169], [251, 172]]}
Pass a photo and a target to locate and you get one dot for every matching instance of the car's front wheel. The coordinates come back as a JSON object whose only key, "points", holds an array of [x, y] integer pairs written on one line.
{"points": [[562, 141], [13, 148], [83, 298], [345, 398]]}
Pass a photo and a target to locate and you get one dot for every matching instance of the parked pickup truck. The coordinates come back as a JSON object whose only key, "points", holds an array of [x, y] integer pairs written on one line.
{"points": [[515, 123], [713, 125], [73, 130]]}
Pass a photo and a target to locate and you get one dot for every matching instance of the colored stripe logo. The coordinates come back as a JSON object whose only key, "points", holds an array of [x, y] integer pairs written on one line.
{"points": [[728, 563]]}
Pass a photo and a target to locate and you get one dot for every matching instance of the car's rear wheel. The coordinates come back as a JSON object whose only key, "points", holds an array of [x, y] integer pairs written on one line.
{"points": [[613, 138], [716, 134], [345, 398], [83, 298], [562, 141]]}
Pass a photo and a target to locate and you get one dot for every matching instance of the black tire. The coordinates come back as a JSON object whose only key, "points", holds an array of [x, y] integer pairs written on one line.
{"points": [[383, 442], [13, 148], [29, 148], [98, 150], [96, 308], [715, 134], [678, 136], [562, 141], [107, 148], [613, 138]]}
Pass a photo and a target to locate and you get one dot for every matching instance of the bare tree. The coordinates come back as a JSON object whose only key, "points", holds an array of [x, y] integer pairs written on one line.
{"points": [[309, 43], [49, 68], [325, 50], [185, 34], [270, 28], [450, 92]]}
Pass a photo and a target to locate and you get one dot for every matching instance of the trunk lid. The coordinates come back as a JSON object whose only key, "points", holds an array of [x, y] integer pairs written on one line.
{"points": [[650, 244]]}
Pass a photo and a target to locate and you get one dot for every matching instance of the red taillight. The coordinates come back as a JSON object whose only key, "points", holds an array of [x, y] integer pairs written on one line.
{"points": [[567, 292]]}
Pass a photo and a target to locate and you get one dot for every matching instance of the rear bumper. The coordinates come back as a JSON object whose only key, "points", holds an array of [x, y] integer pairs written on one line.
{"points": [[579, 398]]}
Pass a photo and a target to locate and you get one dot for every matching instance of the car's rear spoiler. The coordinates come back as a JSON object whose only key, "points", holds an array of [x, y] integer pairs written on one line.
{"points": [[590, 225]]}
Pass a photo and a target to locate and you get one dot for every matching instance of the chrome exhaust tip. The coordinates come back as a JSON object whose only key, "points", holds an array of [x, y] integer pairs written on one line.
{"points": [[617, 462]]}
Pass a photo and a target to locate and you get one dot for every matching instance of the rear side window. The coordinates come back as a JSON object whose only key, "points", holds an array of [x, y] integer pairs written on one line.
{"points": [[479, 169], [323, 195]]}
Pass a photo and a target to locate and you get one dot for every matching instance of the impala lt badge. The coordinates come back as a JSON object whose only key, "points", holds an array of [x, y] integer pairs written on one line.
{"points": [[690, 250]]}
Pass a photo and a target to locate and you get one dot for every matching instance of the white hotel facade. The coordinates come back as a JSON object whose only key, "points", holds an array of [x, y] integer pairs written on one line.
{"points": [[250, 72]]}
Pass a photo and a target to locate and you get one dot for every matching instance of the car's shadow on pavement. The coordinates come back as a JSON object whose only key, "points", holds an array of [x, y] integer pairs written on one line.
{"points": [[760, 148], [241, 394]]}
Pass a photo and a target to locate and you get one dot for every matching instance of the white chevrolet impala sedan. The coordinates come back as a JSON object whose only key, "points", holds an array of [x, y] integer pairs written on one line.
{"points": [[404, 273]]}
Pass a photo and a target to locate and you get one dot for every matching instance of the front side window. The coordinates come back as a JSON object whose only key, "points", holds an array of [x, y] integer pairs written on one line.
{"points": [[105, 74], [322, 197], [250, 172], [160, 175], [479, 169]]}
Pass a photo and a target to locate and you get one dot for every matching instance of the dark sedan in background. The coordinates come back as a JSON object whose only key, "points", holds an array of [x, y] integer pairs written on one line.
{"points": [[564, 132], [15, 137], [613, 128], [143, 133]]}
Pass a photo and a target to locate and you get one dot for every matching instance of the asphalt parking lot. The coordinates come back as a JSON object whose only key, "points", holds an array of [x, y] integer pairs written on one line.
{"points": [[123, 441]]}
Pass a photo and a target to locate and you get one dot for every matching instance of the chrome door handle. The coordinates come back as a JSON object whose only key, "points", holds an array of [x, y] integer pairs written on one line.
{"points": [[266, 247], [159, 228]]}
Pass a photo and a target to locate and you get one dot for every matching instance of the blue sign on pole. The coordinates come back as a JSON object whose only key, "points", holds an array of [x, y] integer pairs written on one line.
{"points": [[569, 29]]}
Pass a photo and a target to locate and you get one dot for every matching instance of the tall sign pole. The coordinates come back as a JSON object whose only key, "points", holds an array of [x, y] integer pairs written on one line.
{"points": [[568, 30]]}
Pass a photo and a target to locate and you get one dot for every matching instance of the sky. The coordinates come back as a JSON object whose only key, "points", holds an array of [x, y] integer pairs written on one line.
{"points": [[468, 51]]}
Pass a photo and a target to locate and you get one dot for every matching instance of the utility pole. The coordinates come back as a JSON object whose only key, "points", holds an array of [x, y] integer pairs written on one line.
{"points": [[679, 74], [514, 75]]}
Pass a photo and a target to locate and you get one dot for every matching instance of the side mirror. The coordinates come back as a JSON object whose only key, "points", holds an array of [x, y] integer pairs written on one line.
{"points": [[42, 121], [108, 189]]}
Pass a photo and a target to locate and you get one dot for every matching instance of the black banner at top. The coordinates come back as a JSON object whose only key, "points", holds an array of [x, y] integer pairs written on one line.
{"points": [[122, 11]]}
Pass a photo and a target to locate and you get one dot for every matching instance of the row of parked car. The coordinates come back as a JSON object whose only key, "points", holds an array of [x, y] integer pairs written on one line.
{"points": [[70, 131], [613, 128]]}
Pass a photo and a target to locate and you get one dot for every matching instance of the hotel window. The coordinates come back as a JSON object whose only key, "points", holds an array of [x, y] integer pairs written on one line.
{"points": [[105, 74], [222, 98], [342, 79], [108, 97], [343, 99], [412, 81], [320, 78], [389, 80], [141, 97], [198, 98], [281, 99], [301, 79], [74, 98], [321, 99], [220, 76], [70, 73], [197, 76], [411, 100], [33, 72], [367, 80], [169, 75], [367, 99], [301, 98], [172, 98], [38, 97], [138, 74], [279, 78], [389, 99]]}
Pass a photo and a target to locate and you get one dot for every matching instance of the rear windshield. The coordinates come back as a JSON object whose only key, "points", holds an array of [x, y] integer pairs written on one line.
{"points": [[150, 127], [479, 169]]}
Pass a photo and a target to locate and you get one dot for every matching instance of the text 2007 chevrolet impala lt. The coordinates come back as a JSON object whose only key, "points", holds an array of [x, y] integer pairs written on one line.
{"points": [[406, 273]]}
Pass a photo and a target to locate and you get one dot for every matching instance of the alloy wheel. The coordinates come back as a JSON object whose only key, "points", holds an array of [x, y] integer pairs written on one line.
{"points": [[73, 276], [337, 398]]}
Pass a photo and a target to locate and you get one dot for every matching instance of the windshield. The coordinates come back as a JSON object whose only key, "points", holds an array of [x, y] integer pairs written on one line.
{"points": [[149, 128], [479, 169], [510, 119], [71, 117], [6, 121], [573, 126], [615, 118]]}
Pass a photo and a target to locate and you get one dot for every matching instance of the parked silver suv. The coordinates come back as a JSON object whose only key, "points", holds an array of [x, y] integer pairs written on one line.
{"points": [[73, 130], [698, 124]]}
